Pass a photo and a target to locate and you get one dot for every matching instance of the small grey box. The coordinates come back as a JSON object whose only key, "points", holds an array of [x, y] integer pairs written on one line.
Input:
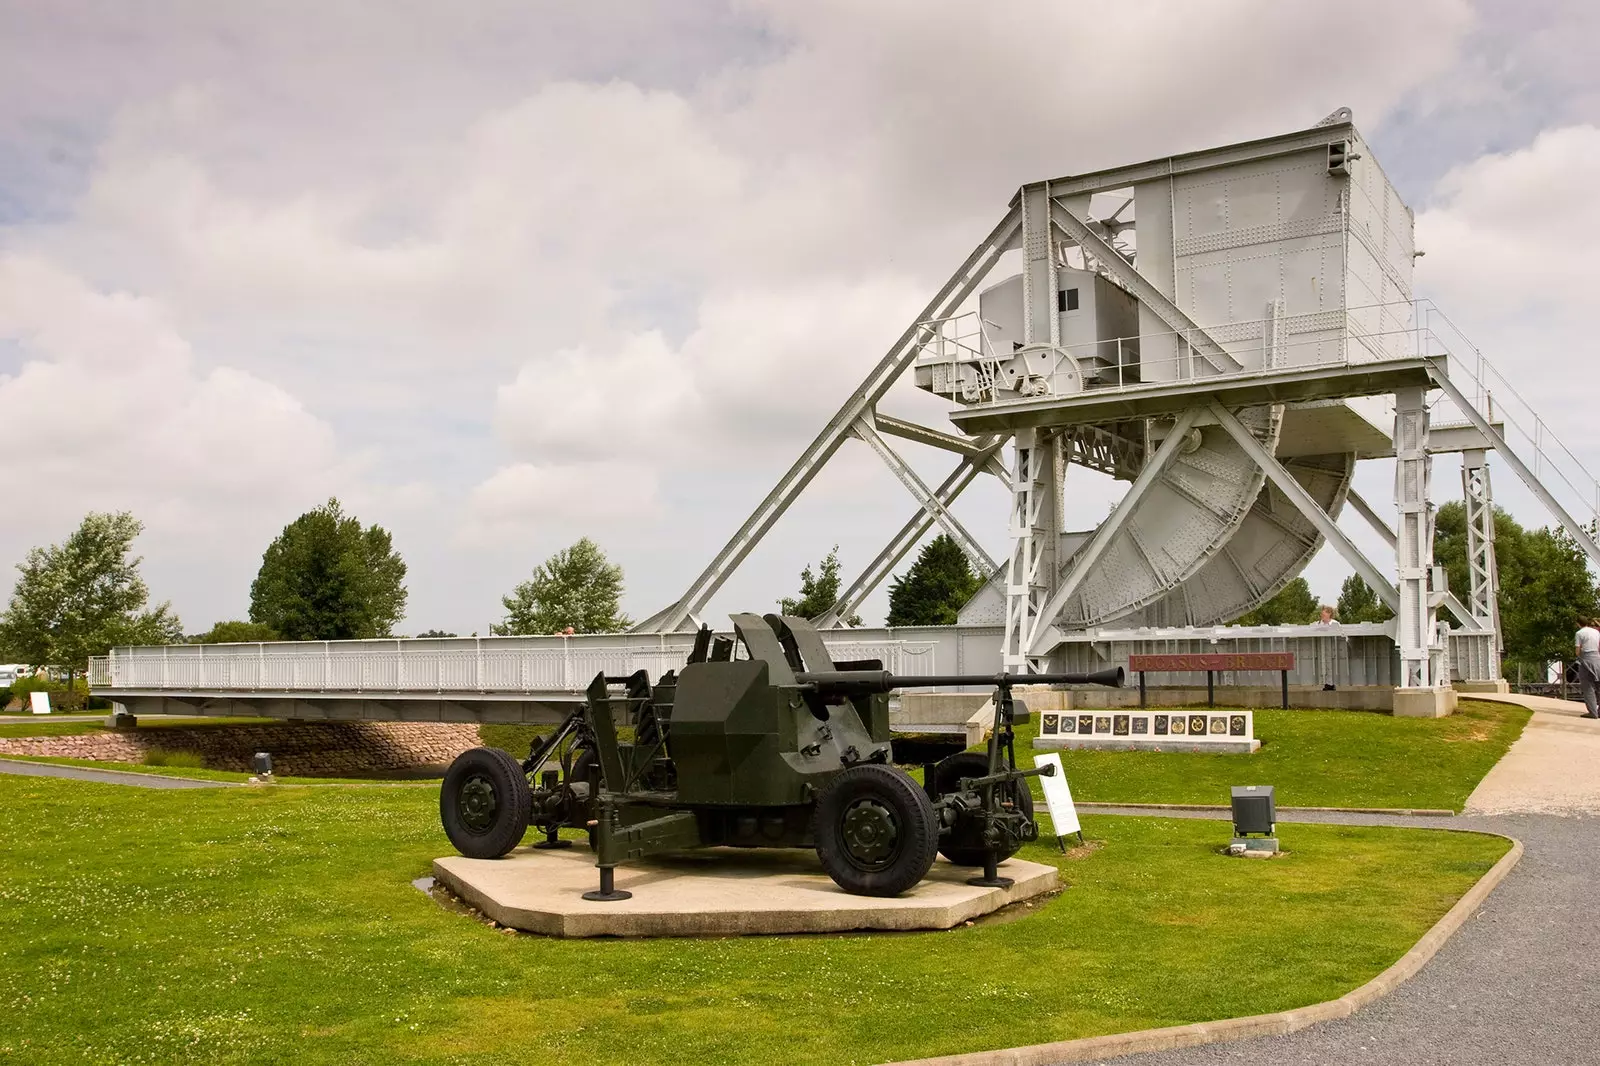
{"points": [[1254, 809]]}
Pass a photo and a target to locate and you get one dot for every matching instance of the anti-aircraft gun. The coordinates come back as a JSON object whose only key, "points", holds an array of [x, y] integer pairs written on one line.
{"points": [[785, 748]]}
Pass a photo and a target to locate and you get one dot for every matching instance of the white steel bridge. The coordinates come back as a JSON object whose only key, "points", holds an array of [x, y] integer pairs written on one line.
{"points": [[1229, 331]]}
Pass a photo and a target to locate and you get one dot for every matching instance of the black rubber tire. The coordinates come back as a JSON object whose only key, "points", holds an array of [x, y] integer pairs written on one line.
{"points": [[900, 805], [963, 846], [505, 803]]}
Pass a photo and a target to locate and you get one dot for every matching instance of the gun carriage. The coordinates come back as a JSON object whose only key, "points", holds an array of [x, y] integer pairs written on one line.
{"points": [[785, 748]]}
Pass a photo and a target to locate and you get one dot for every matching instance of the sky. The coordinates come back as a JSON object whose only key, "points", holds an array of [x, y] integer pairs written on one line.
{"points": [[501, 275]]}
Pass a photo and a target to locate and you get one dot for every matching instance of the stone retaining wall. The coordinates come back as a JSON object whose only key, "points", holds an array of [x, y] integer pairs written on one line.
{"points": [[310, 749]]}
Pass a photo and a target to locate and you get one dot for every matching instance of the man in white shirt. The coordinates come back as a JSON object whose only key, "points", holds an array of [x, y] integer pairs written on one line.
{"points": [[1587, 646]]}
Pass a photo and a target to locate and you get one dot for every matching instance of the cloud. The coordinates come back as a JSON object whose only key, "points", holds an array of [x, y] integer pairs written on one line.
{"points": [[502, 276], [1511, 232], [528, 497]]}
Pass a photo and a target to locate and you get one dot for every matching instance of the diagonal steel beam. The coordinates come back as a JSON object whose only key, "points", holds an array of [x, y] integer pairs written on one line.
{"points": [[1374, 519], [1307, 506], [1570, 524], [1143, 289], [913, 531], [961, 285], [1090, 554], [913, 431], [925, 496]]}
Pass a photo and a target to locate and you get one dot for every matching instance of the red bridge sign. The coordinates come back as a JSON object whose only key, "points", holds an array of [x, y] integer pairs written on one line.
{"points": [[1209, 661]]}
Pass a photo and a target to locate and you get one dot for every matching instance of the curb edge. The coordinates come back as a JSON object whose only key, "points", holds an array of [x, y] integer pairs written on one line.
{"points": [[1279, 1024]]}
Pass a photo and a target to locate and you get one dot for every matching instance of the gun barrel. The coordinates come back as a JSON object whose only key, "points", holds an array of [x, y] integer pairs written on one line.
{"points": [[866, 681]]}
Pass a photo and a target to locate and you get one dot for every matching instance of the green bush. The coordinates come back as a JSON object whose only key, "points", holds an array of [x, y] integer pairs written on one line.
{"points": [[78, 699], [161, 757]]}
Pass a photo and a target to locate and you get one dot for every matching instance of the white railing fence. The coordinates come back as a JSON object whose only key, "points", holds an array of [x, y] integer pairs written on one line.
{"points": [[406, 666]]}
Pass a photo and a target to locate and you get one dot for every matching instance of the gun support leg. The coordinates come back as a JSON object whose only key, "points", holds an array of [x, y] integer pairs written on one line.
{"points": [[609, 892], [552, 839], [991, 875]]}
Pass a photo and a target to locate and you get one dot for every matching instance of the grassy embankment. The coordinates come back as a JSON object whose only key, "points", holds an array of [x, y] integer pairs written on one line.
{"points": [[238, 926]]}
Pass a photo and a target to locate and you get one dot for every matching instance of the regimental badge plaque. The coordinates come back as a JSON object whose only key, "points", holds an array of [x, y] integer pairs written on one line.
{"points": [[1161, 730]]}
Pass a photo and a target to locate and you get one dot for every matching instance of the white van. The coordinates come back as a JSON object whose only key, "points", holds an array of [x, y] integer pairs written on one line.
{"points": [[9, 672]]}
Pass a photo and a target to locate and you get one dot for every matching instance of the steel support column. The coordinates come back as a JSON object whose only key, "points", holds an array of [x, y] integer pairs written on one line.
{"points": [[1483, 595], [1416, 619], [1038, 640], [1035, 530]]}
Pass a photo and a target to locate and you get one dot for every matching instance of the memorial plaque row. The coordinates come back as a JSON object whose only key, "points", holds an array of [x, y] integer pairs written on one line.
{"points": [[1148, 725]]}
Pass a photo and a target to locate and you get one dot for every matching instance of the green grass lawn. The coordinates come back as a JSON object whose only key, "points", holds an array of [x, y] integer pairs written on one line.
{"points": [[267, 926], [1314, 759], [198, 773]]}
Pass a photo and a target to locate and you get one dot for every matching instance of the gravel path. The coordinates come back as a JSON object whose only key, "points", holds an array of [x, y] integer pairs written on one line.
{"points": [[106, 777], [1518, 984]]}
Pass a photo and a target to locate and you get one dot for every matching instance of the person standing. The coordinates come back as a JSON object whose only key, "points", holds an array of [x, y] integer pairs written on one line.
{"points": [[1328, 650], [1587, 646]]}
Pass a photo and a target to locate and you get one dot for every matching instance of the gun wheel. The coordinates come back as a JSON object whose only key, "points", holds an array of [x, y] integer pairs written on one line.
{"points": [[875, 830], [964, 845], [485, 803]]}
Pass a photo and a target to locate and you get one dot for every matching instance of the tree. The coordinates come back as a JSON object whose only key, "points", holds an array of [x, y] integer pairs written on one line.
{"points": [[1359, 603], [79, 598], [1293, 606], [936, 587], [1545, 584], [575, 587], [235, 632], [327, 578], [819, 591], [434, 633]]}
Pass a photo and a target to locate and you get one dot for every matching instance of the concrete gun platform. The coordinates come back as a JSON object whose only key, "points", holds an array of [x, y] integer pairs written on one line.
{"points": [[719, 892]]}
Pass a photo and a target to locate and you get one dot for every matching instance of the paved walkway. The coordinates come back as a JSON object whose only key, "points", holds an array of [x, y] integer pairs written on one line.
{"points": [[106, 777], [1553, 768], [1518, 985]]}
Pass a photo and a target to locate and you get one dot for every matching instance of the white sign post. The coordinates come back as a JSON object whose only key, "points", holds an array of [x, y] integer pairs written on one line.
{"points": [[40, 701], [1058, 798]]}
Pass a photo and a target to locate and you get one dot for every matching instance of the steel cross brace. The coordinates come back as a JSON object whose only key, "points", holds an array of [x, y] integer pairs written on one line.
{"points": [[1570, 524], [1090, 554], [1306, 505], [1374, 519], [924, 495], [870, 578], [961, 285], [1145, 290]]}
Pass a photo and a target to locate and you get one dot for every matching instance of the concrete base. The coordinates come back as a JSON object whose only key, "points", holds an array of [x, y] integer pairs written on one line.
{"points": [[1235, 747], [1254, 847], [1501, 685], [1424, 702], [718, 892]]}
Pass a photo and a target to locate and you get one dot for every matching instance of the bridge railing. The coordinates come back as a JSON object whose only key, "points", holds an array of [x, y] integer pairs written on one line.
{"points": [[563, 665]]}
